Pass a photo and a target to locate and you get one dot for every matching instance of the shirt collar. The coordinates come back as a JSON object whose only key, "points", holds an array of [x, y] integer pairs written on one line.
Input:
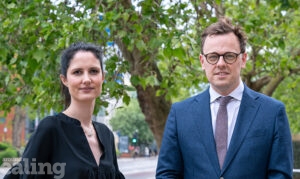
{"points": [[237, 93]]}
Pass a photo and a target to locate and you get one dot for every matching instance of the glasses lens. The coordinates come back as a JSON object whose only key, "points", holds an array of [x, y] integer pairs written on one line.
{"points": [[212, 58], [230, 57]]}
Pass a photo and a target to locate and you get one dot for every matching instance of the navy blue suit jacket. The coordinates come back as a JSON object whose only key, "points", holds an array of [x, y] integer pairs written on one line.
{"points": [[260, 147]]}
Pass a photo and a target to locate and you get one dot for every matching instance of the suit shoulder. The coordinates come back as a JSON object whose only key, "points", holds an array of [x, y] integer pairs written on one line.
{"points": [[191, 101], [265, 99], [185, 101]]}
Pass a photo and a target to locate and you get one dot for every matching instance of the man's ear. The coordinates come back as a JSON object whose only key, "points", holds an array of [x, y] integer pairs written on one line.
{"points": [[64, 80], [244, 60], [201, 58]]}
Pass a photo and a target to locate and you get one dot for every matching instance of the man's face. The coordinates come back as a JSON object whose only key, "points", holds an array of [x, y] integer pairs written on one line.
{"points": [[223, 77]]}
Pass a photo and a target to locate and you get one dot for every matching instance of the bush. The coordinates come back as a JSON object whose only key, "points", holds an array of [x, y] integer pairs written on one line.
{"points": [[7, 151], [4, 146]]}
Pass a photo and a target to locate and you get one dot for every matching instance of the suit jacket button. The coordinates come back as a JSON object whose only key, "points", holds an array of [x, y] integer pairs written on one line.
{"points": [[221, 177]]}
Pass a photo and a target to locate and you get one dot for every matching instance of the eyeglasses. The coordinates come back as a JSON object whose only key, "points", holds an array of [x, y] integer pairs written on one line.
{"points": [[229, 57]]}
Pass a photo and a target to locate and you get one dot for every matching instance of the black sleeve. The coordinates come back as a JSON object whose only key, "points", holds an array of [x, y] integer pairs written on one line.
{"points": [[38, 151]]}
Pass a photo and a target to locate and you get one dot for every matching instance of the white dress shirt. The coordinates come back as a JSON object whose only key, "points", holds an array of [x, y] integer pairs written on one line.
{"points": [[232, 108]]}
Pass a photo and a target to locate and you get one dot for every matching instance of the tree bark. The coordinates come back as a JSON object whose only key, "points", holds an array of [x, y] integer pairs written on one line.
{"points": [[18, 124], [155, 109]]}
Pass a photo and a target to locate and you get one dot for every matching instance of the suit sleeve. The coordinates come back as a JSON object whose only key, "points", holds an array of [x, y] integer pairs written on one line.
{"points": [[170, 163], [281, 157]]}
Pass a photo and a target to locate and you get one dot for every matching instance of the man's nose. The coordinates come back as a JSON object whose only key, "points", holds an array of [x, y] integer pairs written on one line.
{"points": [[221, 60]]}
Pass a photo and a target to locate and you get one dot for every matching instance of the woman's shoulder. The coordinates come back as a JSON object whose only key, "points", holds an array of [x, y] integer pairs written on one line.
{"points": [[53, 120], [47, 124], [48, 121]]}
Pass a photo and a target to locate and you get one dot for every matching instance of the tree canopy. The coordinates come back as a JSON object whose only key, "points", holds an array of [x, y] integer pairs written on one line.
{"points": [[156, 42]]}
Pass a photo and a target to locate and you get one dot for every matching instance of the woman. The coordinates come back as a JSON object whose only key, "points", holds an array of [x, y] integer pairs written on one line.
{"points": [[70, 145]]}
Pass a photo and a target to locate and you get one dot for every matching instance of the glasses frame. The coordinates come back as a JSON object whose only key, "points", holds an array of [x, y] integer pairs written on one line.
{"points": [[219, 55]]}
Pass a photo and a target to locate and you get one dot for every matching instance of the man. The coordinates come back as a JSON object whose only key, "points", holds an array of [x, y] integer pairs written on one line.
{"points": [[255, 141]]}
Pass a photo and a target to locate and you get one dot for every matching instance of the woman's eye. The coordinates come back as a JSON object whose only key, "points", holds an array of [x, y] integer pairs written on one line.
{"points": [[94, 71], [77, 72]]}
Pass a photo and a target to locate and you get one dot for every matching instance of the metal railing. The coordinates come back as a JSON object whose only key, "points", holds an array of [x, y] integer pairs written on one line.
{"points": [[296, 170]]}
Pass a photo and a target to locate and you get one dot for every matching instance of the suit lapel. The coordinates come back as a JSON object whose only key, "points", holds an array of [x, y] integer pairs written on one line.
{"points": [[204, 127], [246, 115]]}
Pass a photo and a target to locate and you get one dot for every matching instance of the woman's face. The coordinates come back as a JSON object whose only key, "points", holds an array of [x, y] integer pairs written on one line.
{"points": [[84, 77]]}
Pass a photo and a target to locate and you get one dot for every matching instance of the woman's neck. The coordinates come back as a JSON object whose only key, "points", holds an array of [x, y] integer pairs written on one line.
{"points": [[81, 111]]}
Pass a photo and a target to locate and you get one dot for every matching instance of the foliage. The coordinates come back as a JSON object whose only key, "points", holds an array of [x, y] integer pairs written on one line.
{"points": [[158, 43], [128, 119], [31, 42], [7, 151], [290, 86], [273, 50]]}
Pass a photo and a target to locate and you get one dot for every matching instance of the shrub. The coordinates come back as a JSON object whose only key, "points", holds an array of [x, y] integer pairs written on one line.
{"points": [[7, 151], [3, 146]]}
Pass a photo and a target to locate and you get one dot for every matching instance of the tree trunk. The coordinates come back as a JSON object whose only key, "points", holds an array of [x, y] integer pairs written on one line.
{"points": [[18, 124], [155, 109]]}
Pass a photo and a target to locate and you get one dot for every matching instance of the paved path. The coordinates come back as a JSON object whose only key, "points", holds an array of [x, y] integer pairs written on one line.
{"points": [[138, 168], [3, 171]]}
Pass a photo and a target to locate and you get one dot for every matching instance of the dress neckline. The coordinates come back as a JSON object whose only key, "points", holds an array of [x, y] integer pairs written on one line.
{"points": [[69, 119]]}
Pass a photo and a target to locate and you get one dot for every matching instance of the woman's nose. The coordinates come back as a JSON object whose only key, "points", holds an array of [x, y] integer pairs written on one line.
{"points": [[86, 79]]}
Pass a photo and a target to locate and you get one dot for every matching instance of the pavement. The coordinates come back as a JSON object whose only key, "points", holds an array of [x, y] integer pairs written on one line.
{"points": [[3, 172], [143, 167]]}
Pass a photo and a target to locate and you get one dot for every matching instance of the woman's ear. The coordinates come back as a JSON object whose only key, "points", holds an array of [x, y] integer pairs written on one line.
{"points": [[103, 76], [63, 79]]}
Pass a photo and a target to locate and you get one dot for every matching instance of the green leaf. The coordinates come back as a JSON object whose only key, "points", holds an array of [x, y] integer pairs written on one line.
{"points": [[39, 55], [7, 78], [126, 99], [134, 80], [11, 6]]}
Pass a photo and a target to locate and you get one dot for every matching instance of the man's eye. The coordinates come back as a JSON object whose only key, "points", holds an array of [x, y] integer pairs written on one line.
{"points": [[213, 57], [229, 56]]}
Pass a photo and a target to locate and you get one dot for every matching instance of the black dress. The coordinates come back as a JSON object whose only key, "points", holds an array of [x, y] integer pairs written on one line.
{"points": [[59, 149]]}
